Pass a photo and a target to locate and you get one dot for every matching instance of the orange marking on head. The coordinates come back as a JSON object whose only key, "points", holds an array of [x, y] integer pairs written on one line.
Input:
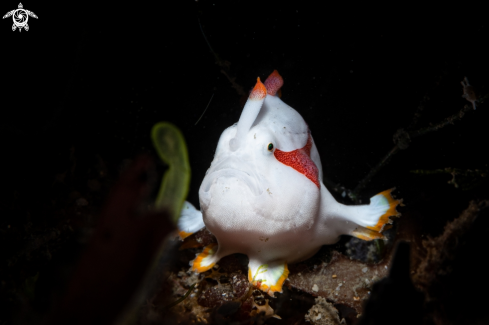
{"points": [[300, 160], [259, 91], [274, 82], [384, 219], [197, 264]]}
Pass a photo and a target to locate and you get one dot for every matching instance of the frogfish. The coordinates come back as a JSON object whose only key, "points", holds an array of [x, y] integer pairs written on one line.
{"points": [[263, 195]]}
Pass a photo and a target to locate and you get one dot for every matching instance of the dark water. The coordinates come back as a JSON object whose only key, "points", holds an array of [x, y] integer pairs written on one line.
{"points": [[90, 81]]}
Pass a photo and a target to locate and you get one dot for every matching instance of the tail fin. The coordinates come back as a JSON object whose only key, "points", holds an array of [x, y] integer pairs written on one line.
{"points": [[375, 216]]}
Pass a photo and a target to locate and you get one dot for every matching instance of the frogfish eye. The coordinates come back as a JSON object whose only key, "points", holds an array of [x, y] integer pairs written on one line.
{"points": [[270, 147]]}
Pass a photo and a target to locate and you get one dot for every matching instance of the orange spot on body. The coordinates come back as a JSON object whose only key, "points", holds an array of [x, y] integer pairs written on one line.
{"points": [[300, 160]]}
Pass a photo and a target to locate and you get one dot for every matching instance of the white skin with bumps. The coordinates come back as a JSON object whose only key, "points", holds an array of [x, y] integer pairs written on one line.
{"points": [[256, 205]]}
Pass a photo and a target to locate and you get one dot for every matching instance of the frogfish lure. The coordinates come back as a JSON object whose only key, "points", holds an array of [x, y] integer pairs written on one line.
{"points": [[263, 195]]}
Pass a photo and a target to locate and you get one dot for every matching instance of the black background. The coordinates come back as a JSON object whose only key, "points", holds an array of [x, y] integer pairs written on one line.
{"points": [[96, 78]]}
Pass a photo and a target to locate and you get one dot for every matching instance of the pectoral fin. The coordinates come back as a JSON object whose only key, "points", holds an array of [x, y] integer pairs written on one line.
{"points": [[372, 219], [268, 277], [190, 220], [384, 205], [366, 234]]}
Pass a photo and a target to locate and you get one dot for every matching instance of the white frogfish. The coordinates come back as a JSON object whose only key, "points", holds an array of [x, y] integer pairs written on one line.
{"points": [[263, 195]]}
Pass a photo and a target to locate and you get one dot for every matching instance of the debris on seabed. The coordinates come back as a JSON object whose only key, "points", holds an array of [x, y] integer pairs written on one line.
{"points": [[322, 313]]}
